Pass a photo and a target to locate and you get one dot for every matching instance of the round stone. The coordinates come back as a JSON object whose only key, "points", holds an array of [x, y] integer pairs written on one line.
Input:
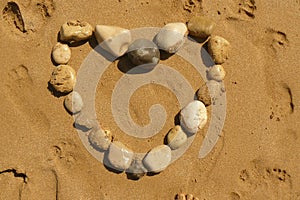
{"points": [[63, 78], [176, 137], [180, 197], [119, 156], [203, 95], [193, 116], [216, 73], [143, 51], [157, 159], [201, 27], [61, 53], [218, 48], [100, 139], [171, 37], [73, 102], [136, 169], [75, 31]]}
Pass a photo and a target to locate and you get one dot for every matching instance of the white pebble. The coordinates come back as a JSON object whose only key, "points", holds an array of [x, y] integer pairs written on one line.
{"points": [[113, 39], [218, 48], [171, 37], [85, 123], [119, 156], [216, 73], [176, 137], [61, 53], [100, 139], [158, 159], [193, 116], [73, 102], [75, 31]]}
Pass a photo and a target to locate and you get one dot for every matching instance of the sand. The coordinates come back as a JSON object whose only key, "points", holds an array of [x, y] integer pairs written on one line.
{"points": [[256, 157]]}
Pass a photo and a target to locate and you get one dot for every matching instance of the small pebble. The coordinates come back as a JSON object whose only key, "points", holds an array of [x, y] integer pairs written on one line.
{"points": [[63, 78], [171, 37], [73, 102], [193, 116], [191, 197], [218, 48], [158, 158], [216, 73], [119, 156], [113, 39], [180, 197], [100, 139], [201, 27], [84, 123], [203, 95], [61, 53], [75, 31], [136, 169], [176, 137], [143, 51]]}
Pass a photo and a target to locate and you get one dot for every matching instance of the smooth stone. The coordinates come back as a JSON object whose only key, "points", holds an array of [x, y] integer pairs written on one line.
{"points": [[100, 139], [176, 137], [218, 48], [73, 102], [203, 95], [158, 158], [143, 51], [75, 31], [171, 37], [119, 156], [61, 53], [84, 123], [136, 169], [180, 197], [193, 116], [201, 27], [63, 78], [113, 39], [216, 72], [191, 197]]}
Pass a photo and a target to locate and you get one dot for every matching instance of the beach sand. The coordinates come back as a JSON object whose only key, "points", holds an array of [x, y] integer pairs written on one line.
{"points": [[256, 157]]}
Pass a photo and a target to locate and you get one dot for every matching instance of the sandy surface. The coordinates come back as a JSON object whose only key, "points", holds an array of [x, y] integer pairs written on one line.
{"points": [[257, 156]]}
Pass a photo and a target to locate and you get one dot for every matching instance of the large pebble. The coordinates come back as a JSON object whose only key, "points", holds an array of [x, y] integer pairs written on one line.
{"points": [[171, 37], [113, 39], [75, 31], [193, 116], [100, 139], [84, 123], [203, 95], [73, 102], [143, 51], [216, 73], [136, 169], [176, 137], [119, 156], [158, 158], [218, 48], [63, 78], [61, 53], [201, 27]]}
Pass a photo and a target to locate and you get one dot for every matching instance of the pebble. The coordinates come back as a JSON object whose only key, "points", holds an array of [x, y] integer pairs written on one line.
{"points": [[61, 53], [176, 137], [171, 37], [75, 31], [113, 39], [158, 158], [84, 123], [216, 73], [136, 169], [73, 102], [119, 156], [180, 197], [185, 197], [63, 78], [143, 51], [201, 27], [203, 95], [193, 116], [218, 48], [100, 139]]}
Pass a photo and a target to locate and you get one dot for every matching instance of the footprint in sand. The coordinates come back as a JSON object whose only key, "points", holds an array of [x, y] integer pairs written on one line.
{"points": [[276, 39], [12, 15], [247, 8], [46, 7], [62, 154], [192, 6], [260, 181]]}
